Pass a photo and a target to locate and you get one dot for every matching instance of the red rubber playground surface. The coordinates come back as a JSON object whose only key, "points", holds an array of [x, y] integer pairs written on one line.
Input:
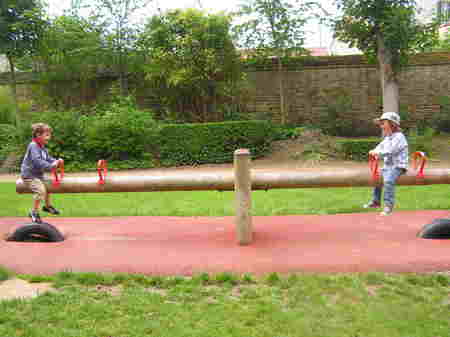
{"points": [[185, 245]]}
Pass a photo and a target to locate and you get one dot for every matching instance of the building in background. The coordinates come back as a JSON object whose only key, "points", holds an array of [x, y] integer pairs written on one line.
{"points": [[440, 9], [443, 13], [430, 9]]}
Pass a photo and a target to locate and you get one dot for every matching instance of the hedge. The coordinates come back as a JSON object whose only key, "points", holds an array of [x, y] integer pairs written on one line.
{"points": [[192, 144], [358, 149]]}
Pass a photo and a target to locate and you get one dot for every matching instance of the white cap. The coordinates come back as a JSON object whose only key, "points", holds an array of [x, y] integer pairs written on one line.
{"points": [[390, 116]]}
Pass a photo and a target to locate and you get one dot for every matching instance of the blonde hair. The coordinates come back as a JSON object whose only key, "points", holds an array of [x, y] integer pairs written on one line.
{"points": [[39, 129]]}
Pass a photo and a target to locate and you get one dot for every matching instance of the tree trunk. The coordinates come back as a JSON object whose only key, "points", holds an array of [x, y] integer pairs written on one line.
{"points": [[388, 78], [280, 84], [13, 86]]}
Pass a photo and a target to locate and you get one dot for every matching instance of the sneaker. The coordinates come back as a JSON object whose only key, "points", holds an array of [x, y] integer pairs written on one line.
{"points": [[35, 217], [372, 204], [387, 210], [50, 209]]}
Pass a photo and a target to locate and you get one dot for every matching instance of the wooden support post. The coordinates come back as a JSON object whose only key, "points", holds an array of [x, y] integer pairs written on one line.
{"points": [[242, 187]]}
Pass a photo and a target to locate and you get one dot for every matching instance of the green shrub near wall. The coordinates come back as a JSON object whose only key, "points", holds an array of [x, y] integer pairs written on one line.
{"points": [[357, 149], [193, 144], [7, 133], [7, 139]]}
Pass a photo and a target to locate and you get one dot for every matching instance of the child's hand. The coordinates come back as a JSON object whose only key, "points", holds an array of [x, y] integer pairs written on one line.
{"points": [[57, 162]]}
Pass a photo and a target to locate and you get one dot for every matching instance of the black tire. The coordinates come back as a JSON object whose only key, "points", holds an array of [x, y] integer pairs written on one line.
{"points": [[34, 232], [437, 229]]}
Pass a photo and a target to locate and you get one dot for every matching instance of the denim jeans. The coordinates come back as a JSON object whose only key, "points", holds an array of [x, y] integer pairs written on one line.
{"points": [[390, 176]]}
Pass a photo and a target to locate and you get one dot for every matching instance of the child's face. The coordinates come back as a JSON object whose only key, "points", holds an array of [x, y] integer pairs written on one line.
{"points": [[385, 125], [45, 137]]}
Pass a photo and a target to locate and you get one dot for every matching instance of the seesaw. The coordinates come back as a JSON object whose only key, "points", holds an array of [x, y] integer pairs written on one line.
{"points": [[243, 180]]}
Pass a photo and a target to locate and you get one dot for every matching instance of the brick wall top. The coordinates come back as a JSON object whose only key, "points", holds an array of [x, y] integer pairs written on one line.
{"points": [[346, 61]]}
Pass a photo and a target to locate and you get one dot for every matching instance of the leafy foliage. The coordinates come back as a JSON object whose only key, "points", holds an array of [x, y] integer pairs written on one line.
{"points": [[121, 34], [333, 120], [192, 63], [357, 149], [272, 27], [444, 43], [120, 133], [364, 21], [441, 120], [71, 46], [21, 25], [6, 107], [212, 142], [421, 141]]}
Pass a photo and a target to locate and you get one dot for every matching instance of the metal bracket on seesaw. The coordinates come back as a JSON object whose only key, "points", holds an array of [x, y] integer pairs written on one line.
{"points": [[58, 173], [102, 171]]}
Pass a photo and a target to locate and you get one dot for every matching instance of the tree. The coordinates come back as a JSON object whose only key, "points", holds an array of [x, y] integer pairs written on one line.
{"points": [[273, 28], [21, 26], [191, 62], [117, 16], [387, 31], [71, 48]]}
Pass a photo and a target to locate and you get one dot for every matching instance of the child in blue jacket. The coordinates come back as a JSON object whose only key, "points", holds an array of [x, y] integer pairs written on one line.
{"points": [[35, 162]]}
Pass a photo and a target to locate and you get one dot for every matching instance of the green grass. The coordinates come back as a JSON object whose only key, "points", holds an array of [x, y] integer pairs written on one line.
{"points": [[212, 203], [4, 274], [342, 305]]}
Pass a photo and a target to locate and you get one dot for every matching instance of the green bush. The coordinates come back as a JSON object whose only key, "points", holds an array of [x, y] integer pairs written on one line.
{"points": [[421, 141], [119, 134], [441, 120], [281, 132], [357, 149], [8, 134], [4, 274], [192, 144], [6, 106]]}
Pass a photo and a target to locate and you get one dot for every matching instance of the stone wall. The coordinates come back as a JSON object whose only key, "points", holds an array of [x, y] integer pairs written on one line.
{"points": [[309, 90], [311, 85]]}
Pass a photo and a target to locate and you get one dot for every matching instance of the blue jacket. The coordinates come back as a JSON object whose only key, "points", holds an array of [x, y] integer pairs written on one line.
{"points": [[36, 161]]}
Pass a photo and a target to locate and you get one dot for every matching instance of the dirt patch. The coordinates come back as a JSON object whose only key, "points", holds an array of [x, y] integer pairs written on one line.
{"points": [[17, 288]]}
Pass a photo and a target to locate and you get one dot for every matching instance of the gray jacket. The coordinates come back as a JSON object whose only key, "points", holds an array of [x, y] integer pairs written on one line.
{"points": [[35, 162]]}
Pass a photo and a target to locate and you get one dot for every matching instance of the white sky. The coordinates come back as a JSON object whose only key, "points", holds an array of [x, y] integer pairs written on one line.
{"points": [[318, 35]]}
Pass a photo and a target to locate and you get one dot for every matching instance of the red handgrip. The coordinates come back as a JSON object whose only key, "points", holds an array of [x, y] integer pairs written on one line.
{"points": [[102, 171], [58, 176], [373, 166], [421, 165]]}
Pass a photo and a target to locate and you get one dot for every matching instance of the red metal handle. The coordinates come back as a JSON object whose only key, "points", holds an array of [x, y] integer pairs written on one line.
{"points": [[421, 165], [102, 171], [373, 166], [58, 173]]}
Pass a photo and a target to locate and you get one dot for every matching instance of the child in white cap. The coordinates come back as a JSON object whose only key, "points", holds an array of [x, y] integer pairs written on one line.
{"points": [[394, 151]]}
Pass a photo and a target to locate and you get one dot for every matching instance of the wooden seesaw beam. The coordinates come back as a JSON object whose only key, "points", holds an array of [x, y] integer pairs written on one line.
{"points": [[224, 181], [241, 179]]}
